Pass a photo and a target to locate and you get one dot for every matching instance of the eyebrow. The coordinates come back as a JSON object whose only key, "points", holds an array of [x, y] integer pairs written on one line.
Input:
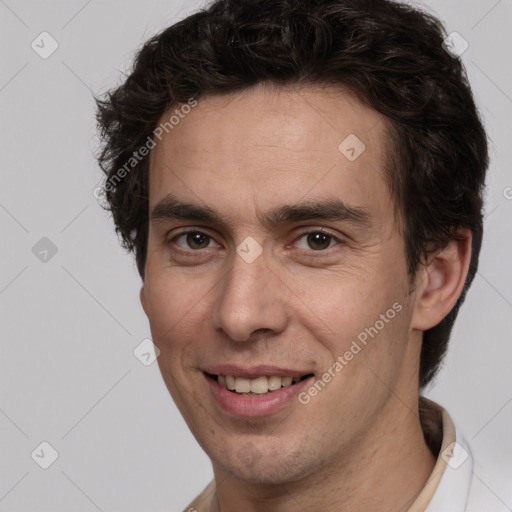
{"points": [[171, 208]]}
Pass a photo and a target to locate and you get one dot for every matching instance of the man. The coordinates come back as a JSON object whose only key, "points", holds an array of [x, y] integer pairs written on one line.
{"points": [[301, 184]]}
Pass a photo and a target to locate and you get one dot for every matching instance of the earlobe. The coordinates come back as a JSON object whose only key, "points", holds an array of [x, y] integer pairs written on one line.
{"points": [[441, 282], [143, 300]]}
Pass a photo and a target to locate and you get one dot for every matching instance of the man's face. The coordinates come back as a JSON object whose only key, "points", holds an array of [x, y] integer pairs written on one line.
{"points": [[291, 292]]}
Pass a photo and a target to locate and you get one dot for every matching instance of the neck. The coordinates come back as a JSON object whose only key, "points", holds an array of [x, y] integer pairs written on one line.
{"points": [[386, 471]]}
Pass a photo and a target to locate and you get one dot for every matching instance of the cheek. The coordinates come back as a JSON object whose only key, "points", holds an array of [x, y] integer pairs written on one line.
{"points": [[176, 316], [176, 308], [360, 318], [341, 304]]}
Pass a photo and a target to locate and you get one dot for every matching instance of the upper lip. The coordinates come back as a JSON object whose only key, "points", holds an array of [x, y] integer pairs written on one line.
{"points": [[251, 372]]}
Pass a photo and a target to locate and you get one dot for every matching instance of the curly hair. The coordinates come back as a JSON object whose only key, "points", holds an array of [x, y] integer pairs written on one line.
{"points": [[390, 55]]}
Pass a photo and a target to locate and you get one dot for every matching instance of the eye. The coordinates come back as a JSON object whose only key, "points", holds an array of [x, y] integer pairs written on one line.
{"points": [[317, 240], [195, 240]]}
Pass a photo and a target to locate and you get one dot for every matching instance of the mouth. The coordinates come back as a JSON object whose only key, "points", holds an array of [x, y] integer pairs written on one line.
{"points": [[258, 390], [258, 386]]}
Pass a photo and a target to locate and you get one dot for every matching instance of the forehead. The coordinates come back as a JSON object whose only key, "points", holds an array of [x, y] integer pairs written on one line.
{"points": [[271, 146]]}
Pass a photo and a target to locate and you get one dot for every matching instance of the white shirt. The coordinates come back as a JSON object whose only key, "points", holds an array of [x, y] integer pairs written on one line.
{"points": [[453, 485], [460, 489]]}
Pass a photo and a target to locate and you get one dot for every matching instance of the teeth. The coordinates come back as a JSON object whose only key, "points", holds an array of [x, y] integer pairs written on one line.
{"points": [[258, 386], [242, 385], [274, 383], [286, 381], [230, 382]]}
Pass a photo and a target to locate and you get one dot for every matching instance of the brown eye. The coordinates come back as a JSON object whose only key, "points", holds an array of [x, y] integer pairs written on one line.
{"points": [[316, 241], [197, 240], [319, 241], [194, 240]]}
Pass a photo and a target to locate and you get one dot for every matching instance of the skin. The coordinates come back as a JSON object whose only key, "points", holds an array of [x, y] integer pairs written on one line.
{"points": [[358, 444]]}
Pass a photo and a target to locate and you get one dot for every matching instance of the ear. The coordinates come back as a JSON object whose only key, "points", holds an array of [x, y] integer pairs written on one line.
{"points": [[143, 300], [441, 281]]}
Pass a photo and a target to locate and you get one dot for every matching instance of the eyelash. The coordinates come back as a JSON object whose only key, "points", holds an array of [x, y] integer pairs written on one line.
{"points": [[302, 235]]}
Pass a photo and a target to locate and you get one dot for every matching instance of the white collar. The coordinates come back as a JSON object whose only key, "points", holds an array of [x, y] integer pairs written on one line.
{"points": [[448, 486], [452, 491]]}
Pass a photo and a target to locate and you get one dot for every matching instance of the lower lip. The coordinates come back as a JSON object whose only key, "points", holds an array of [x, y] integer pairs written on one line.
{"points": [[252, 405]]}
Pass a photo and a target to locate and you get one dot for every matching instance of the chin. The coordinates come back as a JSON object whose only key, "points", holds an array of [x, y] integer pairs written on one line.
{"points": [[268, 466]]}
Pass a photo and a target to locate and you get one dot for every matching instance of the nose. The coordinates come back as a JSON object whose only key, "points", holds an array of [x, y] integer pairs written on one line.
{"points": [[251, 299]]}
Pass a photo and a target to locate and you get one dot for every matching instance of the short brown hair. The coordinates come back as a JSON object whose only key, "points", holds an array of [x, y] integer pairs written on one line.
{"points": [[390, 55]]}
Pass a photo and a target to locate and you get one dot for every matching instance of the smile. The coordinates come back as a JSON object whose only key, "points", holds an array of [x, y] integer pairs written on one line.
{"points": [[258, 386], [260, 396]]}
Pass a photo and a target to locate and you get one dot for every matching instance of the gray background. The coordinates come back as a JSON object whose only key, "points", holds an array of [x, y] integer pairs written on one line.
{"points": [[69, 325]]}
